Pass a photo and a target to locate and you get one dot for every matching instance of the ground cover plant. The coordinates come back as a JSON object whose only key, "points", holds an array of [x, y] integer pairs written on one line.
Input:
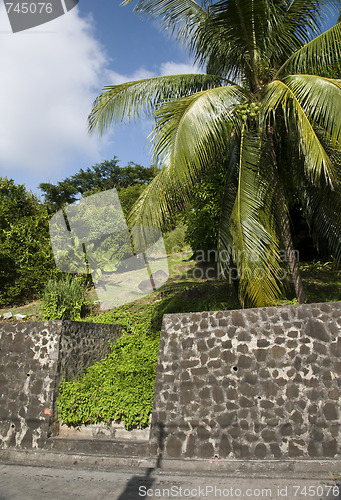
{"points": [[120, 388]]}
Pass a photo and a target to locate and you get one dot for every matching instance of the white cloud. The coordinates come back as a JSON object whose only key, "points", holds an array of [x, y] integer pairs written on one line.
{"points": [[50, 76], [140, 74], [166, 68], [172, 68]]}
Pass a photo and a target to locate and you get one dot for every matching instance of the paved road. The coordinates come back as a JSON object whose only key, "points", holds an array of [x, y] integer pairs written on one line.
{"points": [[20, 482]]}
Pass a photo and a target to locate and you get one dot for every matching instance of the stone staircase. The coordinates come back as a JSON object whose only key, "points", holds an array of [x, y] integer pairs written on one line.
{"points": [[101, 439]]}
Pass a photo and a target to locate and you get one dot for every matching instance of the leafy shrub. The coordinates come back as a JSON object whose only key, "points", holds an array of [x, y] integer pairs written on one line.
{"points": [[129, 195], [202, 215], [318, 265], [175, 240], [26, 260], [63, 299], [121, 386]]}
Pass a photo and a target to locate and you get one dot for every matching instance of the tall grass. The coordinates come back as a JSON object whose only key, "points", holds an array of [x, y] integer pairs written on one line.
{"points": [[63, 299]]}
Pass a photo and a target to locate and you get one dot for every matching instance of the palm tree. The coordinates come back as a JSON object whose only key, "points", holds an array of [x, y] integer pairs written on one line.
{"points": [[262, 104]]}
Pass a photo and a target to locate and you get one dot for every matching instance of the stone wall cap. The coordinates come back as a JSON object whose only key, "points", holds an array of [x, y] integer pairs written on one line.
{"points": [[335, 305]]}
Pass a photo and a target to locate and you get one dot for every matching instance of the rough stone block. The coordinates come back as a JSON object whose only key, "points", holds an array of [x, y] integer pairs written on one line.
{"points": [[330, 411], [315, 328]]}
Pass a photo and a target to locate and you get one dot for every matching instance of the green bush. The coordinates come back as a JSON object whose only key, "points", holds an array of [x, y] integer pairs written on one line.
{"points": [[63, 299], [175, 240], [120, 388], [129, 195], [26, 259], [202, 215]]}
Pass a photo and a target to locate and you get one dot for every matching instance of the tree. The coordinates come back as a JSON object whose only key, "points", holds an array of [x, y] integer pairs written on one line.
{"points": [[265, 105], [100, 177], [26, 260]]}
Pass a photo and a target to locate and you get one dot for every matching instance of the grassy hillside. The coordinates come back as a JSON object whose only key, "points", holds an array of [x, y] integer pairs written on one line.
{"points": [[187, 290]]}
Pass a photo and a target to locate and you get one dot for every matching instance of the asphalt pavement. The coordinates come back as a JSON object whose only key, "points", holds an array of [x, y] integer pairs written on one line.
{"points": [[134, 480]]}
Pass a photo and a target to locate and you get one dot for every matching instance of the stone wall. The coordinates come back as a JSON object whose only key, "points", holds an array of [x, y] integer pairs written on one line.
{"points": [[253, 384], [34, 357]]}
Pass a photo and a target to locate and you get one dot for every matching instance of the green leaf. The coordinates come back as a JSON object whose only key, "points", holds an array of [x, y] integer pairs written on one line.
{"points": [[318, 54], [318, 164], [132, 99], [255, 246]]}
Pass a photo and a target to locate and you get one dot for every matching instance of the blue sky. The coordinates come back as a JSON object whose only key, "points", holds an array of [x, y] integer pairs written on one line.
{"points": [[50, 77], [52, 74]]}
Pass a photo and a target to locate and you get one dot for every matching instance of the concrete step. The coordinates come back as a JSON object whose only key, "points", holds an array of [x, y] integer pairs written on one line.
{"points": [[99, 446], [102, 431]]}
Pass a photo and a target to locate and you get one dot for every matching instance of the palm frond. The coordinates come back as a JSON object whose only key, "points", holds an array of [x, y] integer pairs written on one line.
{"points": [[225, 241], [190, 132], [171, 12], [231, 41], [322, 210], [320, 99], [317, 162], [306, 19], [158, 202], [182, 17], [188, 135], [322, 206], [317, 55], [198, 119], [132, 99], [197, 27], [288, 25], [255, 249]]}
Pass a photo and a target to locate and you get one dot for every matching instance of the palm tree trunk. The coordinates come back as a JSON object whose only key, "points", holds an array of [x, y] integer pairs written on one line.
{"points": [[284, 225]]}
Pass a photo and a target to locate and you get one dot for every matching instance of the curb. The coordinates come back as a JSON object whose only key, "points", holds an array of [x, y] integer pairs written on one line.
{"points": [[303, 469]]}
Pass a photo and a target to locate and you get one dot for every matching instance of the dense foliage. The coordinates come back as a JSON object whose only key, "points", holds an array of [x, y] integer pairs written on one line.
{"points": [[26, 260], [202, 214], [64, 298], [120, 388], [202, 218]]}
